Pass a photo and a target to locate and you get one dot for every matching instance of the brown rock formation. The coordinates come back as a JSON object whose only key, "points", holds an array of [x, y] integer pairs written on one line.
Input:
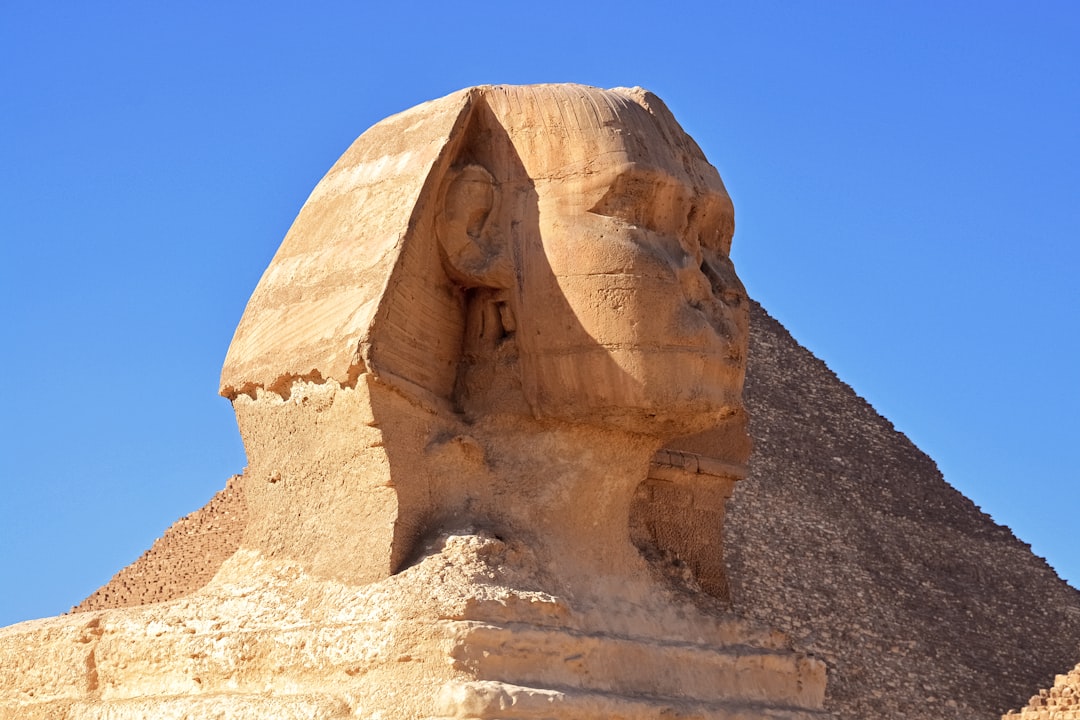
{"points": [[847, 537], [452, 383]]}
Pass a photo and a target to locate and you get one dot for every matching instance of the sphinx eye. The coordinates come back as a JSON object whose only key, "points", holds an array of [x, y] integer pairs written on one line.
{"points": [[713, 226], [712, 276], [628, 198], [722, 279], [693, 223], [648, 199]]}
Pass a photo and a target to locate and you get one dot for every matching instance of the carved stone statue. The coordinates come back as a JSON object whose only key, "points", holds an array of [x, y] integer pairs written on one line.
{"points": [[525, 291], [490, 390]]}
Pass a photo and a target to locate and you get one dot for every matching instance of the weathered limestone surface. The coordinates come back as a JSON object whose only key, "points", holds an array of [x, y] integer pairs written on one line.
{"points": [[1060, 702], [688, 524], [479, 285], [457, 635], [453, 383]]}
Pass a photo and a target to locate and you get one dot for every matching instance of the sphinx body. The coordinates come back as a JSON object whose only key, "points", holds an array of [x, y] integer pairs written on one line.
{"points": [[453, 383]]}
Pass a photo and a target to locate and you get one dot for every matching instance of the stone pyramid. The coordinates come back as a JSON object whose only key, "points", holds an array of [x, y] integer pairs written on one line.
{"points": [[846, 536]]}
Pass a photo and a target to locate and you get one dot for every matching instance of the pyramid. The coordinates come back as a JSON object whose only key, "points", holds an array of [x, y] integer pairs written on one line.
{"points": [[848, 538]]}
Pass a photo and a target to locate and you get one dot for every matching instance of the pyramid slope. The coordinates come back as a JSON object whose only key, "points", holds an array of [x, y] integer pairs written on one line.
{"points": [[183, 559], [844, 536]]}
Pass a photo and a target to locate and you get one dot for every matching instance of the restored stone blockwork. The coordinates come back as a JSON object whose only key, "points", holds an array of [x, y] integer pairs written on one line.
{"points": [[1060, 702]]}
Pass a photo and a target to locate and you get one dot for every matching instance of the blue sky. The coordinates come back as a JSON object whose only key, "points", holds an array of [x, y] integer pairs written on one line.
{"points": [[906, 178]]}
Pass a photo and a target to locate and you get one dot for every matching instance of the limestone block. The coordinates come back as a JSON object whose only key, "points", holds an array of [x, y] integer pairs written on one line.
{"points": [[1059, 702], [440, 639]]}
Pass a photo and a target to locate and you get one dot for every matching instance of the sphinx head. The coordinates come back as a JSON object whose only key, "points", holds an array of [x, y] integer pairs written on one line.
{"points": [[482, 284], [558, 251], [595, 242]]}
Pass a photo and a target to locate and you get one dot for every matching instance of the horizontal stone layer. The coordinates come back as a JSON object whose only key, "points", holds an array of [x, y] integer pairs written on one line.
{"points": [[487, 700], [545, 657]]}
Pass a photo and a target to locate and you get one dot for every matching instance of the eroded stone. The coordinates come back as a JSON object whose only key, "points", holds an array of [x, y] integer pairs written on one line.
{"points": [[452, 382]]}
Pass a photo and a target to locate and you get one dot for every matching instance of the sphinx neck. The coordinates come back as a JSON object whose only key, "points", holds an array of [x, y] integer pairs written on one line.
{"points": [[565, 490]]}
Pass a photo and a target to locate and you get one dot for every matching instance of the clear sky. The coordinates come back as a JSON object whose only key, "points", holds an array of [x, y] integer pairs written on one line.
{"points": [[906, 178]]}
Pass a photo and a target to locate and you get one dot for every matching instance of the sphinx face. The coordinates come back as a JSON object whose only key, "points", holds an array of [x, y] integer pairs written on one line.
{"points": [[634, 313]]}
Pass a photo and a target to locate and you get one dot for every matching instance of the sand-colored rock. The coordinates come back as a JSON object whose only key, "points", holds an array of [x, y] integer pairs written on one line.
{"points": [[547, 278], [456, 635], [453, 383], [1060, 702]]}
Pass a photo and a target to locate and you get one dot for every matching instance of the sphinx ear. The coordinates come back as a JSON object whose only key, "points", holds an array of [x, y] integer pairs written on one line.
{"points": [[473, 247]]}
